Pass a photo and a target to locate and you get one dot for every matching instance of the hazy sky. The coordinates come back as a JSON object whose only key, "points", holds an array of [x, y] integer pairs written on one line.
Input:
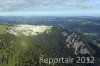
{"points": [[50, 7]]}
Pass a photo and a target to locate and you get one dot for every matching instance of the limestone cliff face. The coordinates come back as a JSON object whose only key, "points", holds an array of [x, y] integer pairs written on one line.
{"points": [[28, 30], [74, 41]]}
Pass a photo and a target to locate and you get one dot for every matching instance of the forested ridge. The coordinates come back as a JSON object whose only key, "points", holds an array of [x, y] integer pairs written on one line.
{"points": [[26, 50]]}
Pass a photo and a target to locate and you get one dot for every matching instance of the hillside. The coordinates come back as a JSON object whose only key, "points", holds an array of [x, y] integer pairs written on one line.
{"points": [[22, 45]]}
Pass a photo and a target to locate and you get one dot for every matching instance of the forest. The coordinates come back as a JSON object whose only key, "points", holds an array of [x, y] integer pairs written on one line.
{"points": [[26, 50]]}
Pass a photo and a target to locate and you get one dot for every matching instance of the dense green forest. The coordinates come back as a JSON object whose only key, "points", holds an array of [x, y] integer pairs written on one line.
{"points": [[26, 50]]}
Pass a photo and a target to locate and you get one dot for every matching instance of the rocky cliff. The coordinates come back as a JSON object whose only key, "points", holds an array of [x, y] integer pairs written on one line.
{"points": [[74, 41]]}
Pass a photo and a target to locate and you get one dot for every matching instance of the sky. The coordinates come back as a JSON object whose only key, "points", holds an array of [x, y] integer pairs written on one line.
{"points": [[50, 7]]}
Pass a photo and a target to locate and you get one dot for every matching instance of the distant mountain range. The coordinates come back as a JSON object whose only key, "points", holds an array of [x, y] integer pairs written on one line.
{"points": [[32, 19]]}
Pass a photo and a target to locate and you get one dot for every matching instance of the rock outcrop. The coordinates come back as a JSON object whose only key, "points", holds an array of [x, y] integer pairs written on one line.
{"points": [[28, 30], [74, 41]]}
